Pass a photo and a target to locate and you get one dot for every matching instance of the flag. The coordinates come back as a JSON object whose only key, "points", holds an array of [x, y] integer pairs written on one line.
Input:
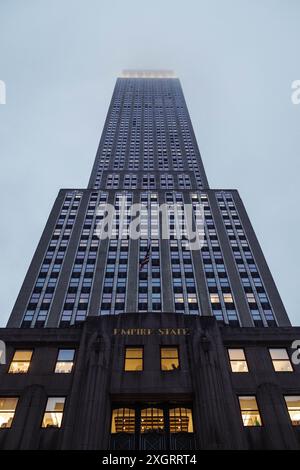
{"points": [[146, 258]]}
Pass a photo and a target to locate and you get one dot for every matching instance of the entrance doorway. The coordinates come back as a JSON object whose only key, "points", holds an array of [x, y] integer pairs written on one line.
{"points": [[149, 426]]}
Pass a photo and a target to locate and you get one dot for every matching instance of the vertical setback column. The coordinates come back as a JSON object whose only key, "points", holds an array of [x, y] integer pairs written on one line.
{"points": [[238, 291]]}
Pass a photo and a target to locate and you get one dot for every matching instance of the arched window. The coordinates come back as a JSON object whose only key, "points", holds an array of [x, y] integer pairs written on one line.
{"points": [[181, 420], [152, 419], [123, 420]]}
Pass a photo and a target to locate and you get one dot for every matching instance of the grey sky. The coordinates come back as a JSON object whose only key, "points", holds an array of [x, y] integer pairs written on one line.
{"points": [[236, 61]]}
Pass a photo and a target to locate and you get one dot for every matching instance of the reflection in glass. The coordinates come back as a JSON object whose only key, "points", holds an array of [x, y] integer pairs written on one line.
{"points": [[54, 412], [7, 411], [65, 361], [293, 406]]}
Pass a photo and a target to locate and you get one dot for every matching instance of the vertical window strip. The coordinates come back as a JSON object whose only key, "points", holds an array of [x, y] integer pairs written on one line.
{"points": [[79, 289], [218, 285], [37, 312], [260, 316]]}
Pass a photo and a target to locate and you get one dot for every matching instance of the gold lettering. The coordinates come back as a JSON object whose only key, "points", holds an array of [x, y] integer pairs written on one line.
{"points": [[151, 331]]}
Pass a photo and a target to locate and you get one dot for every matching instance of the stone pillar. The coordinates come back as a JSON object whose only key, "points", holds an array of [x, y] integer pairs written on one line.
{"points": [[215, 408], [277, 430], [92, 408]]}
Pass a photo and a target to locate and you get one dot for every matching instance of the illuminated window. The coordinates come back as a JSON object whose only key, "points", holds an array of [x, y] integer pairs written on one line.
{"points": [[65, 361], [181, 420], [20, 362], [281, 360], [7, 411], [293, 406], [228, 298], [152, 419], [53, 412], [133, 359], [238, 360], [123, 420], [249, 411], [169, 358], [214, 298]]}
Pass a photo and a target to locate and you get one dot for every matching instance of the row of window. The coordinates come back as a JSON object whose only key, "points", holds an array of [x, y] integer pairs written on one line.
{"points": [[169, 359], [131, 181], [150, 289], [279, 356], [147, 419], [251, 415], [134, 360], [123, 419], [22, 359], [52, 417]]}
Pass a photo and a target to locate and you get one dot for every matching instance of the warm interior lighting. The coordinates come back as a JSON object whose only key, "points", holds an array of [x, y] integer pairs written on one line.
{"points": [[249, 410], [280, 359], [238, 361], [133, 359], [181, 420], [65, 361], [214, 298], [153, 419], [123, 420], [7, 411], [293, 406], [20, 362], [54, 412], [169, 358]]}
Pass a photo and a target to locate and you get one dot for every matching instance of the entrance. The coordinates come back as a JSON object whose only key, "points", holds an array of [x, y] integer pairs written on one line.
{"points": [[152, 427]]}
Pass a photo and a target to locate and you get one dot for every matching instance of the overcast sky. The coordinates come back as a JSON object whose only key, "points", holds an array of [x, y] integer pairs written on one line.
{"points": [[236, 61]]}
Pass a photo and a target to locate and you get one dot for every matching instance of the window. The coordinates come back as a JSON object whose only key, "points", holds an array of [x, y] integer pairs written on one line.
{"points": [[281, 360], [123, 420], [169, 358], [228, 298], [7, 411], [53, 412], [133, 359], [249, 411], [20, 362], [181, 420], [152, 419], [65, 361], [238, 360], [293, 406], [214, 298]]}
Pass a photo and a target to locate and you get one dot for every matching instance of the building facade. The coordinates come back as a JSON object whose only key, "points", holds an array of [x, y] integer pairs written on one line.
{"points": [[122, 343]]}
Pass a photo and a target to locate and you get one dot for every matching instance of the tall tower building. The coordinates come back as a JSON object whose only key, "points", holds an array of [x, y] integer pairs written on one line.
{"points": [[146, 343]]}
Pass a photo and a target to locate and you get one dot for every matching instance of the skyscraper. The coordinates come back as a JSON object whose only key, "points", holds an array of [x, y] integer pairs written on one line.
{"points": [[145, 343]]}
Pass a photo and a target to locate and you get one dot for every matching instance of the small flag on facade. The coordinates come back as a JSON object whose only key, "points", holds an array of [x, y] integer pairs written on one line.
{"points": [[146, 258]]}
